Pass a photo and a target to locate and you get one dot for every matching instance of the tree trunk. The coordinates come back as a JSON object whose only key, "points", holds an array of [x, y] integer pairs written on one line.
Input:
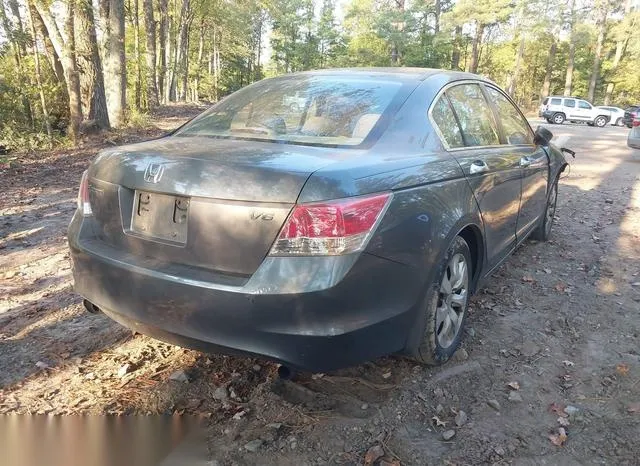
{"points": [[595, 70], [475, 48], [568, 80], [36, 58], [196, 83], [516, 71], [546, 85], [134, 8], [181, 59], [52, 54], [71, 71], [94, 101], [437, 13], [150, 53], [115, 69], [15, 11], [162, 54], [455, 54]]}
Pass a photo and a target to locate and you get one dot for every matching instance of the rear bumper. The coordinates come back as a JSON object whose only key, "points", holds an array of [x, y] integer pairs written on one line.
{"points": [[364, 309]]}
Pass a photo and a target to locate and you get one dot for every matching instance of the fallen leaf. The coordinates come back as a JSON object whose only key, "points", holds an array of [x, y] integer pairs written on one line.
{"points": [[622, 369], [514, 385], [528, 279], [373, 454], [563, 421], [558, 409], [559, 438], [438, 422], [633, 408], [386, 375], [568, 363]]}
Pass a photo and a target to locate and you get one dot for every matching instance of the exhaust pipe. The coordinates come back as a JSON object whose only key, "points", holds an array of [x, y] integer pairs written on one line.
{"points": [[90, 307], [285, 373]]}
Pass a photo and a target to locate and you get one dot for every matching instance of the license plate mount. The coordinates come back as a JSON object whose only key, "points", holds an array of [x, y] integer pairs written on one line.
{"points": [[160, 216]]}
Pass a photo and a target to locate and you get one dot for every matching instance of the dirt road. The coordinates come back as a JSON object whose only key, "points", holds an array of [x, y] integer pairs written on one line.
{"points": [[552, 345]]}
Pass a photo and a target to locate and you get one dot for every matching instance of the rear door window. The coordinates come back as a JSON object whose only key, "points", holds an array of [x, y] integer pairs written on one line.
{"points": [[474, 115], [515, 126], [556, 101], [446, 123], [569, 103]]}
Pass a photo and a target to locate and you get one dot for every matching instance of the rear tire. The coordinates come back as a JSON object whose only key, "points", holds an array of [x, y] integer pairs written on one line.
{"points": [[619, 122], [446, 306], [549, 120], [543, 230], [559, 118], [600, 121]]}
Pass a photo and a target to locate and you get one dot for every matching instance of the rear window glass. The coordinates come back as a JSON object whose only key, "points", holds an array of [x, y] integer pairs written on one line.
{"points": [[545, 101], [569, 103], [556, 101], [316, 110]]}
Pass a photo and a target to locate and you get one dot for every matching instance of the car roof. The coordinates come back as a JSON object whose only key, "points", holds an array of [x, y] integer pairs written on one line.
{"points": [[401, 73]]}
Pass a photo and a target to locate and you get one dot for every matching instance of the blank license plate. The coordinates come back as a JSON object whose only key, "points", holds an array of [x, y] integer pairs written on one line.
{"points": [[160, 216]]}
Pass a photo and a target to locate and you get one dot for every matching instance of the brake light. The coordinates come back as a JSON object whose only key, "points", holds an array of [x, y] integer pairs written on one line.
{"points": [[330, 228], [635, 123], [83, 196]]}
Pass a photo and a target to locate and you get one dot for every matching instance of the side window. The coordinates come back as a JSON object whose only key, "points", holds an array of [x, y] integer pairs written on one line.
{"points": [[569, 103], [516, 129], [445, 119], [474, 114], [583, 104], [556, 101]]}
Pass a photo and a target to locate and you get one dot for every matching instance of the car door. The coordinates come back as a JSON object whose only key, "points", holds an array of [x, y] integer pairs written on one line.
{"points": [[570, 109], [584, 110], [465, 120], [533, 160]]}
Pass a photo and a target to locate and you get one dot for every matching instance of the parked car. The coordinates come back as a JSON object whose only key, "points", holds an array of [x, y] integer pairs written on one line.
{"points": [[616, 115], [558, 109], [631, 114], [357, 229]]}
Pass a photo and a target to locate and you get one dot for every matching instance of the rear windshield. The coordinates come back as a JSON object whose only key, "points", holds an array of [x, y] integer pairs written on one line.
{"points": [[314, 110], [545, 101]]}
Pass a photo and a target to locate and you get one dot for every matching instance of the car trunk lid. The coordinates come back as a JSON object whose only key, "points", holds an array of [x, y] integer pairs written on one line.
{"points": [[204, 203]]}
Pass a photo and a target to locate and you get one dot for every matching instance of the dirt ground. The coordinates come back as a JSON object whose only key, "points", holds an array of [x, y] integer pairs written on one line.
{"points": [[549, 372]]}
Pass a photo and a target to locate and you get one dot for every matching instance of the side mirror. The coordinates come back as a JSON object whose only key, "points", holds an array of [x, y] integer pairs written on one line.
{"points": [[542, 136]]}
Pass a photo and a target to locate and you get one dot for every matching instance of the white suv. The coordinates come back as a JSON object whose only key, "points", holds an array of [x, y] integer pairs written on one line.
{"points": [[558, 109]]}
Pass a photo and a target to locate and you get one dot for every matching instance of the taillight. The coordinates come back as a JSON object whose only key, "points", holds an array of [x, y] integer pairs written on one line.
{"points": [[330, 228], [83, 196]]}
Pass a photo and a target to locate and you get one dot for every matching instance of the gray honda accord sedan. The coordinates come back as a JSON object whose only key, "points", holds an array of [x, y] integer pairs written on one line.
{"points": [[354, 224]]}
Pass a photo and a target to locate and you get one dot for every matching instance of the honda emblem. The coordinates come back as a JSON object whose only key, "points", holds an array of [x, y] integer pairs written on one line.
{"points": [[154, 172]]}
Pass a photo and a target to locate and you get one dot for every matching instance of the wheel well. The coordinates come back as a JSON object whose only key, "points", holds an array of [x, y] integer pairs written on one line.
{"points": [[471, 234]]}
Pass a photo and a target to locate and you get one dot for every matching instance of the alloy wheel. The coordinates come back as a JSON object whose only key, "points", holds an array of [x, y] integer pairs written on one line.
{"points": [[452, 300], [558, 119], [600, 122]]}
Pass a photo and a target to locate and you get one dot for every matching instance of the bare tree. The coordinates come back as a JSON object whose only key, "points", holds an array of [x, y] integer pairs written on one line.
{"points": [[94, 101], [36, 58], [71, 71], [163, 34], [115, 71], [150, 53], [568, 80]]}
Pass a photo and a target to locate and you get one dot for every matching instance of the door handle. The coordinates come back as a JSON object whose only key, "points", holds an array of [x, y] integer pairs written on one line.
{"points": [[478, 166], [525, 161]]}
